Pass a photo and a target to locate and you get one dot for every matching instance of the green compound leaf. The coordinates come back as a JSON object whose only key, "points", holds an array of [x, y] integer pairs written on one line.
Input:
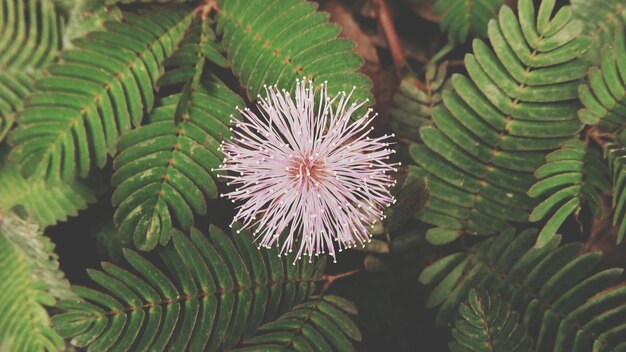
{"points": [[415, 101], [320, 324], [100, 88], [601, 18], [496, 126], [604, 94], [571, 175], [466, 18], [488, 324], [276, 42], [29, 281], [86, 16], [38, 251], [30, 40], [616, 155], [46, 203], [164, 169], [567, 301], [30, 34], [14, 86], [208, 293]]}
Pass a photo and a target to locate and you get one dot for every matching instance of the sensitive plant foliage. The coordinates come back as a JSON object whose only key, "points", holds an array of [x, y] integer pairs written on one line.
{"points": [[27, 45], [101, 88], [213, 290], [415, 101], [308, 173], [29, 281], [497, 124], [466, 18], [568, 302], [322, 323], [520, 137], [46, 203], [615, 154], [600, 19], [37, 250], [570, 176], [276, 42], [488, 324]]}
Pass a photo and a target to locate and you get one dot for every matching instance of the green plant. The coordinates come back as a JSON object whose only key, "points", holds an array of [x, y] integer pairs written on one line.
{"points": [[30, 280], [466, 18], [415, 101], [566, 302], [321, 323], [215, 291], [134, 132], [488, 323], [496, 127], [27, 46]]}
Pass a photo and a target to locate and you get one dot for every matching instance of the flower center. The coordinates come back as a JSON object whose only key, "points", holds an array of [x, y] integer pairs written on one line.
{"points": [[306, 169]]}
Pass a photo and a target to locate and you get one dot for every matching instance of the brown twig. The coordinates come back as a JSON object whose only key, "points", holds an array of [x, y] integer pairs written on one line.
{"points": [[601, 138], [329, 279], [456, 62], [601, 228], [206, 8], [386, 23]]}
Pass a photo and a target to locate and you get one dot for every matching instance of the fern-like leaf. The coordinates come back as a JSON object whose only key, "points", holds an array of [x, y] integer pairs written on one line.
{"points": [[45, 203], [14, 87], [86, 16], [488, 324], [216, 290], [414, 102], [29, 281], [30, 34], [616, 155], [572, 174], [466, 18], [604, 95], [164, 170], [601, 18], [567, 301], [320, 324], [518, 104], [30, 40], [101, 87], [274, 43], [38, 251]]}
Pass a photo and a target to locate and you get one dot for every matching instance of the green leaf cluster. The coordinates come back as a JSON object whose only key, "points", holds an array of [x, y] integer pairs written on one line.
{"points": [[141, 83], [571, 174], [322, 323], [164, 169], [30, 281], [275, 43], [528, 132], [567, 301], [216, 289], [415, 101], [496, 126], [488, 324], [464, 19], [31, 32]]}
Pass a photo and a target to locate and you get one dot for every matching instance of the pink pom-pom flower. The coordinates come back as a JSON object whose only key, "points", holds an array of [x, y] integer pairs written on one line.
{"points": [[306, 175]]}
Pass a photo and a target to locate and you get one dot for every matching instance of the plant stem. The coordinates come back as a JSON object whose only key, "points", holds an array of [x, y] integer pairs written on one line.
{"points": [[601, 228], [386, 23]]}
